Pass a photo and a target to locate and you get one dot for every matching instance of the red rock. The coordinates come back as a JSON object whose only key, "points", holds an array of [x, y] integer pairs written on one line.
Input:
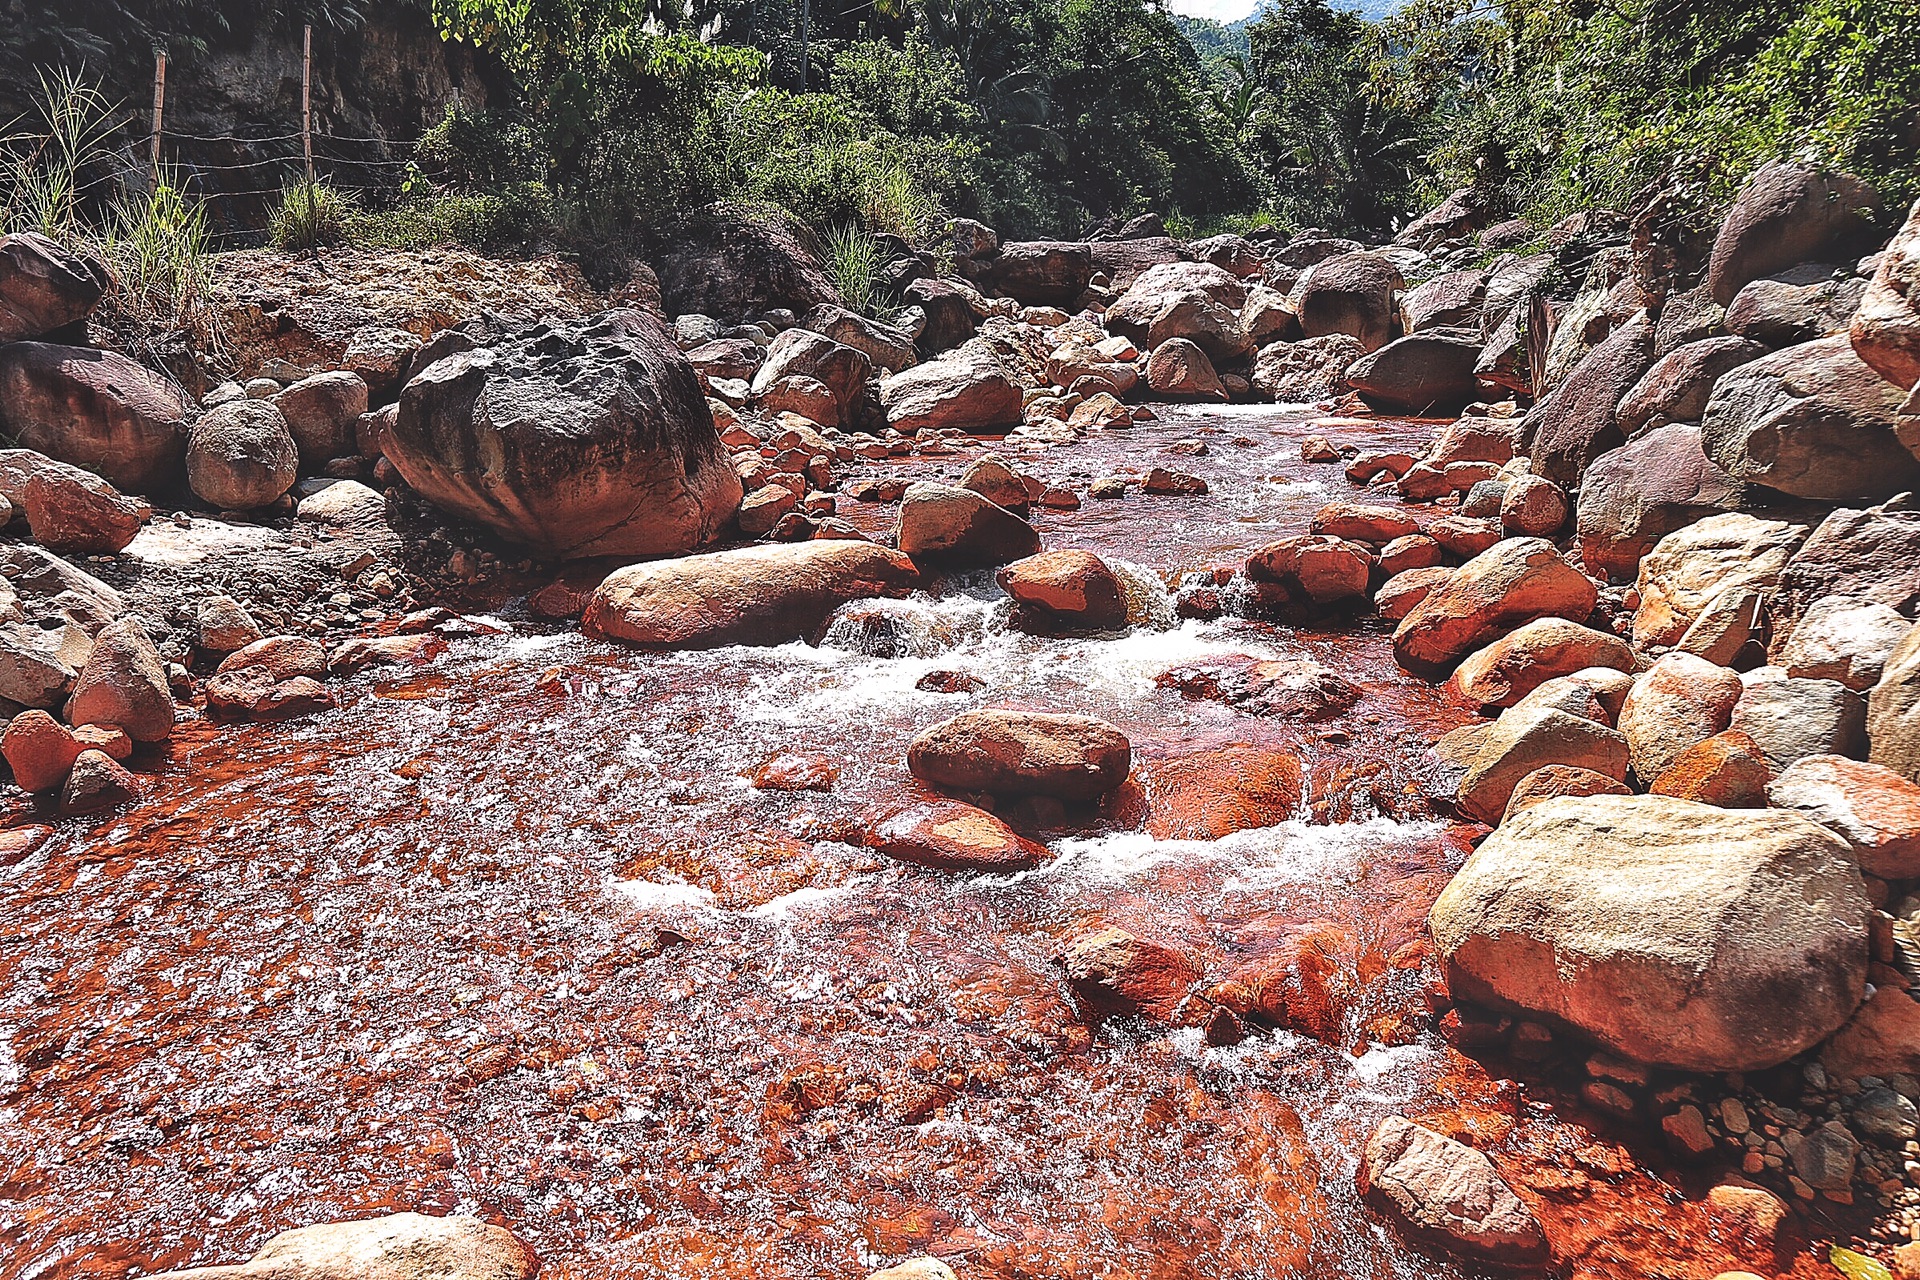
{"points": [[1533, 507], [1304, 985], [110, 738], [1180, 370], [762, 509], [1514, 583], [284, 657], [1404, 591], [1465, 536], [1886, 328], [1361, 522], [1364, 467], [1445, 1194], [1874, 809], [1555, 780], [1881, 1039], [300, 696], [39, 749], [1726, 770], [353, 656], [1291, 689], [1313, 568], [1117, 973], [1678, 701], [1067, 588], [1076, 759], [1414, 551], [76, 511], [1518, 663], [97, 782], [790, 772], [1211, 794], [950, 682], [124, 683], [1173, 483], [949, 835]]}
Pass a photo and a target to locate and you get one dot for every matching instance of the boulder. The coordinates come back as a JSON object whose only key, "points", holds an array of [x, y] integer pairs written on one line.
{"points": [[1550, 782], [1466, 536], [1076, 759], [1725, 627], [1230, 252], [1726, 770], [1124, 261], [76, 511], [1313, 569], [1446, 1195], [1048, 273], [93, 409], [1793, 719], [1886, 328], [322, 413], [1578, 421], [731, 262], [1525, 739], [998, 483], [1400, 594], [886, 346], [39, 749], [1305, 371], [1692, 565], [1893, 710], [1458, 216], [1875, 810], [1411, 551], [1678, 386], [755, 595], [1066, 590], [1633, 496], [1120, 974], [1795, 306], [964, 390], [1598, 693], [1509, 585], [737, 359], [38, 667], [843, 370], [1533, 507], [1451, 299], [959, 526], [1869, 556], [1811, 421], [345, 505], [1669, 932], [401, 1246], [1518, 663], [1281, 688], [44, 287], [241, 455], [952, 309], [1845, 639], [282, 657], [96, 783], [1268, 317], [1428, 374], [1881, 1039], [586, 438], [1180, 370], [1353, 294], [1364, 522], [1787, 214], [124, 683], [1678, 701]]}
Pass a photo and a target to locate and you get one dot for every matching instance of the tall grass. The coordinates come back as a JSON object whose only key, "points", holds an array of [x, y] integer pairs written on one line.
{"points": [[45, 159], [854, 261], [310, 214]]}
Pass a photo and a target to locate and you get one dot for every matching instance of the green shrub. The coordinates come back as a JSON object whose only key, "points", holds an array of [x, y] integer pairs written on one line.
{"points": [[309, 215], [491, 222], [854, 260]]}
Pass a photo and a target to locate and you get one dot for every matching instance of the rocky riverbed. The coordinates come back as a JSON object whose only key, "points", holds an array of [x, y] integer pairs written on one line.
{"points": [[1064, 779]]}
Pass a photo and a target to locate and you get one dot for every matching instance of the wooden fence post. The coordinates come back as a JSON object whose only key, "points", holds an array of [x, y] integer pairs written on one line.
{"points": [[306, 140], [159, 105]]}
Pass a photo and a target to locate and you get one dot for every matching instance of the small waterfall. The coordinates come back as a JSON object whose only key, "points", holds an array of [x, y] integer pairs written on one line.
{"points": [[1149, 604], [884, 628]]}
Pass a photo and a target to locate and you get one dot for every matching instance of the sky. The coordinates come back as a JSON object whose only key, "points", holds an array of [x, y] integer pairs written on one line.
{"points": [[1218, 10]]}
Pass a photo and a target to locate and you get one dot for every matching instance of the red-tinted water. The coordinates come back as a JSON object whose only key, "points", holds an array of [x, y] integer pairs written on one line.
{"points": [[514, 936]]}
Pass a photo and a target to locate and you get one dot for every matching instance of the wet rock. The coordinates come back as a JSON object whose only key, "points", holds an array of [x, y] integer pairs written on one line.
{"points": [[1669, 932], [958, 525], [322, 414], [254, 693], [1677, 387], [1313, 569], [1843, 639], [1518, 663], [916, 1269], [1578, 421], [1179, 484], [76, 511], [1496, 592], [1180, 370], [284, 657], [949, 835], [1400, 594], [1076, 759], [1533, 508], [1886, 328], [790, 772], [755, 595], [1447, 1195], [363, 653], [1206, 795], [124, 683], [1363, 522], [1550, 782], [1726, 770], [401, 1246], [1119, 974], [1292, 689], [1526, 739], [1870, 555], [1305, 371], [241, 455], [1811, 421], [1352, 294], [1875, 810], [1642, 492], [580, 439], [45, 287], [998, 483], [1428, 373], [93, 409], [1693, 565], [39, 749], [1787, 214], [963, 390], [1068, 590], [1793, 719], [97, 783], [949, 682], [1679, 701]]}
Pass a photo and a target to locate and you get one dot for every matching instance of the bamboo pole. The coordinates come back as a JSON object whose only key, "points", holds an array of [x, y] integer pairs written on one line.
{"points": [[159, 106]]}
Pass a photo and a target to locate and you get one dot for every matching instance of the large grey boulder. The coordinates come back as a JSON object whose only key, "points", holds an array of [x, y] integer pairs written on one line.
{"points": [[842, 369], [1669, 932], [1787, 214], [966, 389], [1811, 421], [1792, 719], [733, 262], [1578, 420], [586, 438], [1633, 496], [1351, 294], [400, 1246], [1867, 556], [1886, 328], [1428, 373], [241, 455], [1678, 386], [1044, 273]]}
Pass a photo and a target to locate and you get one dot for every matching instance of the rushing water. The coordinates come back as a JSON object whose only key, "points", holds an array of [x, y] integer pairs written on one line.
{"points": [[514, 935]]}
